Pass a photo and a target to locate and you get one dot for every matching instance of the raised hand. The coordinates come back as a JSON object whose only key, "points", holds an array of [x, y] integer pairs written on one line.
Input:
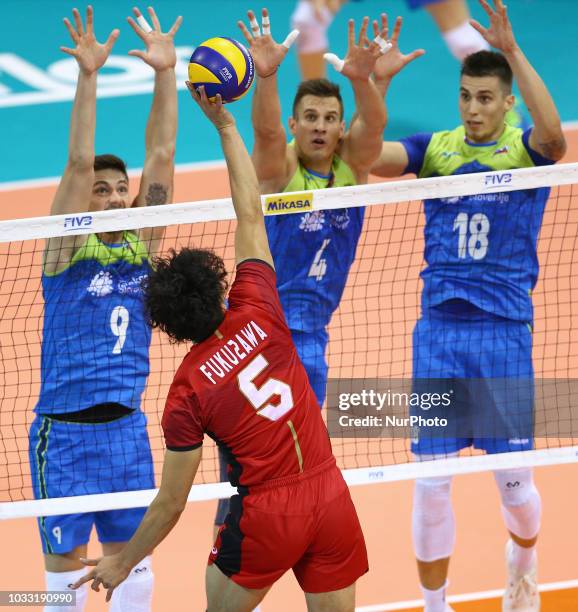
{"points": [[160, 47], [88, 52], [215, 111], [499, 35], [362, 56], [392, 62], [267, 54]]}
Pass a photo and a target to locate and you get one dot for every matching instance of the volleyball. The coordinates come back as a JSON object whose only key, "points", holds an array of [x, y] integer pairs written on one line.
{"points": [[224, 66]]}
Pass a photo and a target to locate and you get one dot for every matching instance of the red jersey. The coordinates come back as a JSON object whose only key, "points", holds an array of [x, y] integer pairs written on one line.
{"points": [[247, 389]]}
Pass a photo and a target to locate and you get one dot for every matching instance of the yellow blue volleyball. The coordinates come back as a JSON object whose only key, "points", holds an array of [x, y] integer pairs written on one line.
{"points": [[224, 66]]}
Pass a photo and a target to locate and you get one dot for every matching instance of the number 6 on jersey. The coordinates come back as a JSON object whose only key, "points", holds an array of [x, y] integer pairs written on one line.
{"points": [[259, 396]]}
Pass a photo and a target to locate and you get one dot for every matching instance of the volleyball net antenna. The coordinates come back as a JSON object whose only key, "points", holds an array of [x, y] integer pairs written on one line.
{"points": [[370, 333]]}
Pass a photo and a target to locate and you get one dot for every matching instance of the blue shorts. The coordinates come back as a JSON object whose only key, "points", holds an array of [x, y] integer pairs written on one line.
{"points": [[69, 459], [415, 4], [484, 365], [311, 347]]}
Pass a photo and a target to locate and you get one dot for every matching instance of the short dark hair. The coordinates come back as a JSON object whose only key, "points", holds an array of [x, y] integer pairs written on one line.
{"points": [[106, 161], [488, 63], [322, 88], [184, 294]]}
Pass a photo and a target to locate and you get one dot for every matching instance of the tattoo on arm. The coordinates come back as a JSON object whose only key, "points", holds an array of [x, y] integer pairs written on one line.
{"points": [[553, 149], [156, 194]]}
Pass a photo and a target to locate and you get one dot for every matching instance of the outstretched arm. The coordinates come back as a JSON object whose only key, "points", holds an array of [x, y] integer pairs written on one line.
{"points": [[393, 159], [362, 143], [73, 193], [156, 186], [547, 137], [75, 188], [250, 237], [161, 131], [179, 470], [274, 160]]}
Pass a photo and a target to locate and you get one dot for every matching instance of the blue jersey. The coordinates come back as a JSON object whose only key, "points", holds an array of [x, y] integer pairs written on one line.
{"points": [[314, 251], [95, 340], [480, 248]]}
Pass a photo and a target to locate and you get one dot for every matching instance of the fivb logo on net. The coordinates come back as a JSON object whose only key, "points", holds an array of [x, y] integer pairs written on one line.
{"points": [[23, 82], [497, 179], [77, 222]]}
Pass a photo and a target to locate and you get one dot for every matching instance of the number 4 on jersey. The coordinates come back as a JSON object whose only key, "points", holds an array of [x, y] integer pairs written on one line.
{"points": [[319, 265]]}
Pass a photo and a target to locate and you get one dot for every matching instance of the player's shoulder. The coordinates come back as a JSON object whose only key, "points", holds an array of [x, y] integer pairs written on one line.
{"points": [[278, 182], [515, 144], [447, 138], [183, 380], [343, 172], [252, 275], [256, 266], [254, 290], [512, 135]]}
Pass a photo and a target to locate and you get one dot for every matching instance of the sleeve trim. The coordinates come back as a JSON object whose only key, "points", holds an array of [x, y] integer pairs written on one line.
{"points": [[537, 158], [416, 147], [255, 260], [183, 449]]}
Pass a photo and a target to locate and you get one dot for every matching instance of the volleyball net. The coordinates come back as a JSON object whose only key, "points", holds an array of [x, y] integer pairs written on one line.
{"points": [[370, 334]]}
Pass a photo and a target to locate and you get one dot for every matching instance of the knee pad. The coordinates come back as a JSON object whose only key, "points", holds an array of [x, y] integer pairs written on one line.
{"points": [[433, 523], [61, 581], [521, 503], [136, 592], [464, 40], [312, 31]]}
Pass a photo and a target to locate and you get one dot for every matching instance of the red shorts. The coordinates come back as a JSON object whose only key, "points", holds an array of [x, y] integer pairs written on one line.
{"points": [[305, 522]]}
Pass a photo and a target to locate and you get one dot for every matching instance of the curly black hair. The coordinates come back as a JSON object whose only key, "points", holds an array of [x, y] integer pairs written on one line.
{"points": [[184, 294]]}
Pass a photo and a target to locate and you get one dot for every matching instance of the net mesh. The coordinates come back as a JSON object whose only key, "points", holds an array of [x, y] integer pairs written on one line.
{"points": [[370, 333]]}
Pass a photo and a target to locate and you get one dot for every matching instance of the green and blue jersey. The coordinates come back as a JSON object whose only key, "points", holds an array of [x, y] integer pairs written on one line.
{"points": [[480, 248], [95, 343], [313, 252]]}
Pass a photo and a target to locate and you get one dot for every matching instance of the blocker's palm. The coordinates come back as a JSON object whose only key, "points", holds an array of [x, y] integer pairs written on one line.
{"points": [[267, 54], [499, 35], [392, 62], [88, 52], [160, 51], [361, 57]]}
